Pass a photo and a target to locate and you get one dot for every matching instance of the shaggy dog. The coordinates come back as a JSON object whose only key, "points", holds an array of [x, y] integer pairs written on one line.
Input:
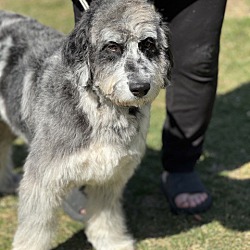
{"points": [[82, 103]]}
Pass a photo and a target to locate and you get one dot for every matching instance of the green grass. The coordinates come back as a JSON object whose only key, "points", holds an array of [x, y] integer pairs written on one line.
{"points": [[224, 166]]}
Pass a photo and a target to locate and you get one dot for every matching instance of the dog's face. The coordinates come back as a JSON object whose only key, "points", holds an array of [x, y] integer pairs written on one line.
{"points": [[128, 55]]}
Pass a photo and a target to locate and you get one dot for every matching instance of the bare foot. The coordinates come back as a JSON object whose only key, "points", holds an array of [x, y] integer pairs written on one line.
{"points": [[187, 200]]}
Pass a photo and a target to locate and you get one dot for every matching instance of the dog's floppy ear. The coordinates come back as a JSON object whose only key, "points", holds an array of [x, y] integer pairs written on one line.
{"points": [[167, 52], [76, 45]]}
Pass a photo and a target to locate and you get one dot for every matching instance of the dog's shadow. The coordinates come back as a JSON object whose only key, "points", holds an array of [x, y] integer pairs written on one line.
{"points": [[227, 144]]}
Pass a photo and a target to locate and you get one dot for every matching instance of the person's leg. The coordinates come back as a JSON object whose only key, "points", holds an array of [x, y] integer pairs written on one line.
{"points": [[195, 32]]}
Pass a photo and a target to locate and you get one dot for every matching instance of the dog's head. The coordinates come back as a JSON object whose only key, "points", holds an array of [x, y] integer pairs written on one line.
{"points": [[121, 48]]}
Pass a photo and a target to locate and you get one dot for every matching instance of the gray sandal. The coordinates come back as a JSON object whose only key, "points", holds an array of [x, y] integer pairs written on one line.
{"points": [[74, 203], [173, 184]]}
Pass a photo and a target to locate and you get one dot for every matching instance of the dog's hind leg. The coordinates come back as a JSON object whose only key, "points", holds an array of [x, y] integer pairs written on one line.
{"points": [[106, 229], [8, 180]]}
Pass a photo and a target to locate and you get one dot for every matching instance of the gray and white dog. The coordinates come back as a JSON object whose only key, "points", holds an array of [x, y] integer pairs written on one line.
{"points": [[82, 103]]}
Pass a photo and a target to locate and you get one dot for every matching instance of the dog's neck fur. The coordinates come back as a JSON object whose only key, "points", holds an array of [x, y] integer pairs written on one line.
{"points": [[114, 123]]}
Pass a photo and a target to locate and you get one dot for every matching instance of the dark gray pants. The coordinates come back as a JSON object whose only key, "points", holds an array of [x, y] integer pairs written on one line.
{"points": [[196, 28]]}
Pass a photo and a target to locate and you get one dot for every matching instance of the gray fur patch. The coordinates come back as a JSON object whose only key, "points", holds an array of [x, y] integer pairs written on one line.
{"points": [[74, 99]]}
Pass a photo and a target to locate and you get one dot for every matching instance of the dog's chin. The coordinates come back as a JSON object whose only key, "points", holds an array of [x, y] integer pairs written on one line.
{"points": [[133, 102]]}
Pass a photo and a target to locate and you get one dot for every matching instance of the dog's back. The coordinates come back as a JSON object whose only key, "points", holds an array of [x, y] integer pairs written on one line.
{"points": [[24, 46], [23, 38]]}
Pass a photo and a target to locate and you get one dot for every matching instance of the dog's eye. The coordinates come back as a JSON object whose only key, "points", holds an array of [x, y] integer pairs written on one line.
{"points": [[114, 47], [148, 46], [149, 43]]}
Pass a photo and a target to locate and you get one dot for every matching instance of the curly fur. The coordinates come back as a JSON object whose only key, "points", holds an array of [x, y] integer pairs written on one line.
{"points": [[82, 103]]}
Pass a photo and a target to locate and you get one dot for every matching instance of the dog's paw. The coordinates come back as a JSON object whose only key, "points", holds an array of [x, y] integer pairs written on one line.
{"points": [[116, 247], [117, 244], [124, 246]]}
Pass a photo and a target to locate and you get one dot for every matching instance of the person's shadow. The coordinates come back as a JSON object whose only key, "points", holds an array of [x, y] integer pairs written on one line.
{"points": [[227, 148]]}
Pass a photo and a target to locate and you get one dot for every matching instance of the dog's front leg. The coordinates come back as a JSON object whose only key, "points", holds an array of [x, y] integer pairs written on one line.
{"points": [[106, 228], [40, 195]]}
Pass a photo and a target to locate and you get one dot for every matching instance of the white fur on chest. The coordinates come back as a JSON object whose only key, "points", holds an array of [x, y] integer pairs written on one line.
{"points": [[101, 163], [105, 160]]}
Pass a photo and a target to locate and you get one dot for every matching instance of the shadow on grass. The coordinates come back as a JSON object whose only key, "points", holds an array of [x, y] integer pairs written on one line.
{"points": [[77, 242], [227, 148]]}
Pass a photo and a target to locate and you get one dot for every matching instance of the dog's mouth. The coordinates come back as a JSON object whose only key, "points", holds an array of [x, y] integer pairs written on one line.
{"points": [[135, 96], [131, 104]]}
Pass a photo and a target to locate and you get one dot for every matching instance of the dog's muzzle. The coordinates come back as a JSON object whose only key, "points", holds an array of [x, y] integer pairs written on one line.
{"points": [[139, 89]]}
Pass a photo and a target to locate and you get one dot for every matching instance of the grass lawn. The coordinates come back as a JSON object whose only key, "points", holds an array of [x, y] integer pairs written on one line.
{"points": [[224, 166]]}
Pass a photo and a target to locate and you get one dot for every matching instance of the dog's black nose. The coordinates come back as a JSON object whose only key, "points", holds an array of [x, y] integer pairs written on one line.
{"points": [[139, 89]]}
